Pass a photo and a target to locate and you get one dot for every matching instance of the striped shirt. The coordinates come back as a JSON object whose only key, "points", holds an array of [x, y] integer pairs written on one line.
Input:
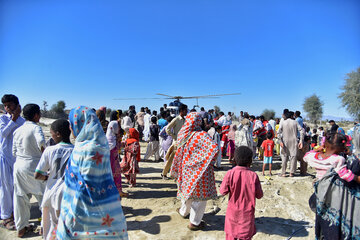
{"points": [[323, 164]]}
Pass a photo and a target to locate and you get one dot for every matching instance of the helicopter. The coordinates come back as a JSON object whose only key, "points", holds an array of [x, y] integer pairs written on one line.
{"points": [[174, 105]]}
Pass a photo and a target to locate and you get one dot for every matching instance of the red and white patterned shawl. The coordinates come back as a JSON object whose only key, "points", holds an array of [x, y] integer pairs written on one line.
{"points": [[193, 164]]}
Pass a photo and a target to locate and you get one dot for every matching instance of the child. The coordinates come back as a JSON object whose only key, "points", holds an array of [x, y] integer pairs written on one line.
{"points": [[231, 143], [244, 187], [335, 144], [214, 133], [314, 138], [153, 145], [28, 145], [268, 148], [129, 164], [51, 168]]}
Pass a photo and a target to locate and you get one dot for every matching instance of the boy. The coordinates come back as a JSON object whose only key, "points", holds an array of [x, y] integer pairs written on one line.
{"points": [[153, 145], [314, 138], [51, 168], [268, 148], [8, 124], [243, 187], [28, 145]]}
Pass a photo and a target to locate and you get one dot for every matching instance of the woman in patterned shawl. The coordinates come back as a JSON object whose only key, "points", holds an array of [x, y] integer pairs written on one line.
{"points": [[338, 201], [193, 167], [91, 207]]}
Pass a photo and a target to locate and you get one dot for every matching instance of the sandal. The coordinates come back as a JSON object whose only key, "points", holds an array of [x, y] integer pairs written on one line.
{"points": [[124, 195], [184, 217], [25, 230], [8, 224], [193, 227]]}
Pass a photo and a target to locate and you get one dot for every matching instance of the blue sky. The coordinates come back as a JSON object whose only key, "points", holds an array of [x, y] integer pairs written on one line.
{"points": [[275, 53]]}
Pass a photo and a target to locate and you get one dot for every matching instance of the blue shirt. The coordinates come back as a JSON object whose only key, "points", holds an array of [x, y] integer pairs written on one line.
{"points": [[162, 123], [7, 128]]}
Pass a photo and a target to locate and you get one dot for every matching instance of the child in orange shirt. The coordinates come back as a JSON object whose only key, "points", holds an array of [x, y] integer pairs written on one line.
{"points": [[268, 148]]}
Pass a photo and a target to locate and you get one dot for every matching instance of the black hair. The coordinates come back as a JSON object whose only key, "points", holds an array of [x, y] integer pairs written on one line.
{"points": [[229, 113], [252, 117], [169, 119], [297, 113], [62, 126], [154, 112], [202, 109], [246, 115], [218, 127], [193, 110], [289, 115], [30, 110], [285, 111], [221, 113], [336, 139], [262, 117], [243, 156], [153, 119], [10, 98], [142, 109], [163, 114], [113, 115], [331, 121], [183, 107], [269, 135], [148, 111], [314, 130]]}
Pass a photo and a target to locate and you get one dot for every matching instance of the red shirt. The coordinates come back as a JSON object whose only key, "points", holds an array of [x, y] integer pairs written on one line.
{"points": [[268, 146]]}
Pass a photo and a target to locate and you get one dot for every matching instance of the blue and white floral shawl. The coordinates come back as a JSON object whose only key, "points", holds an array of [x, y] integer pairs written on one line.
{"points": [[91, 207]]}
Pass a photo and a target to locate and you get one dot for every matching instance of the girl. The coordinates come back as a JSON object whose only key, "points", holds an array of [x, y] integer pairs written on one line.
{"points": [[335, 144], [91, 206], [129, 164], [51, 168], [112, 135], [337, 201], [244, 187], [231, 143]]}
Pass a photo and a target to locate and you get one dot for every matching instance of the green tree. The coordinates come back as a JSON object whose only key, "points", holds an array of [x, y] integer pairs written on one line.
{"points": [[350, 96], [313, 106], [59, 107], [268, 114], [45, 105]]}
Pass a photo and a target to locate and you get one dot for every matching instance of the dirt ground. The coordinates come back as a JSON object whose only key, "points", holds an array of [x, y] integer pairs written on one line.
{"points": [[150, 209]]}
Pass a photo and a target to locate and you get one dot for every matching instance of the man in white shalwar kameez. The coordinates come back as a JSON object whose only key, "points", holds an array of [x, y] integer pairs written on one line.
{"points": [[28, 144]]}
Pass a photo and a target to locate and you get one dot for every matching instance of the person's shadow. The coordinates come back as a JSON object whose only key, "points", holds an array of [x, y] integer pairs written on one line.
{"points": [[151, 226], [282, 227]]}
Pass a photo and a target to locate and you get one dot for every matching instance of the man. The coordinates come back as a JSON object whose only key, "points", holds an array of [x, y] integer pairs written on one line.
{"points": [[132, 113], [288, 132], [139, 117], [172, 130], [334, 126], [241, 117], [8, 124], [28, 145], [126, 122], [299, 119]]}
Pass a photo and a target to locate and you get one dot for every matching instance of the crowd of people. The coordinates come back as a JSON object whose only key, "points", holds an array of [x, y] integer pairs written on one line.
{"points": [[78, 184]]}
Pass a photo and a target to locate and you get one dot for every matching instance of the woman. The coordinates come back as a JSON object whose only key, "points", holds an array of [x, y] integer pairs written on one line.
{"points": [[129, 164], [102, 118], [338, 201], [112, 135], [193, 167], [91, 206], [243, 136]]}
